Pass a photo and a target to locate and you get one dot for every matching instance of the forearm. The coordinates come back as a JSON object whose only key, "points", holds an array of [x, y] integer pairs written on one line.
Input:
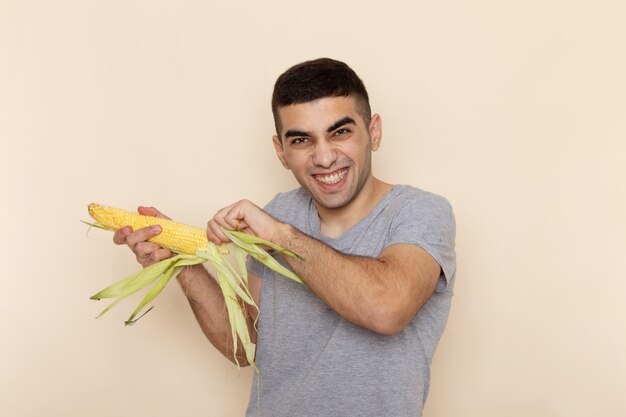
{"points": [[370, 292], [207, 303]]}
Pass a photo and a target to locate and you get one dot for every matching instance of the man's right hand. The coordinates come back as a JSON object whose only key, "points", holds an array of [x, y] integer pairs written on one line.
{"points": [[146, 252]]}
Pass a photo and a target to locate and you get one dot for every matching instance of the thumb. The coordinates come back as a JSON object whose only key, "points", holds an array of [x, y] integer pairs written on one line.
{"points": [[151, 211]]}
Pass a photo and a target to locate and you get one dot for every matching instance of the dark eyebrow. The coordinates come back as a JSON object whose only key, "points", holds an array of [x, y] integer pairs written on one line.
{"points": [[345, 121], [299, 133]]}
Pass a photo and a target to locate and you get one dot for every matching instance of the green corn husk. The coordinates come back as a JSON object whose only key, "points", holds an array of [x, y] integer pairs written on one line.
{"points": [[250, 244], [231, 276]]}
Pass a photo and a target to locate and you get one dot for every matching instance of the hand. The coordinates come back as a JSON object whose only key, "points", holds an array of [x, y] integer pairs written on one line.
{"points": [[244, 216], [146, 252]]}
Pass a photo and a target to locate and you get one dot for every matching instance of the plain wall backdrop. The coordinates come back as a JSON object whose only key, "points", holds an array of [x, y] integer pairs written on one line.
{"points": [[513, 110]]}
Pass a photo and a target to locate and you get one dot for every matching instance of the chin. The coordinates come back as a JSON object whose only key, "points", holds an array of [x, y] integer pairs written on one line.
{"points": [[332, 203], [330, 200]]}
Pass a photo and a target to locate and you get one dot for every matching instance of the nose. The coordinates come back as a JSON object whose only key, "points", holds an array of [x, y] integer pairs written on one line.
{"points": [[324, 155]]}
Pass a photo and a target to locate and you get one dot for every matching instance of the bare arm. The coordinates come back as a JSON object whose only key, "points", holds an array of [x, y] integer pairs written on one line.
{"points": [[204, 295], [207, 303], [382, 294]]}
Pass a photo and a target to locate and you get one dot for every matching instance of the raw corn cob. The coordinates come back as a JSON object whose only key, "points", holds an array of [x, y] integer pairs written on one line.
{"points": [[178, 237], [193, 248]]}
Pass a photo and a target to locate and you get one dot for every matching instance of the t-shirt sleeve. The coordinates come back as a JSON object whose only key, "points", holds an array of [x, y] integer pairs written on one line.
{"points": [[429, 223]]}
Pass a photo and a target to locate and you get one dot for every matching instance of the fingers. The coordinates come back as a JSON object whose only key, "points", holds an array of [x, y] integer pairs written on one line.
{"points": [[243, 216], [146, 252], [216, 234], [214, 226], [232, 217], [141, 235], [119, 237], [151, 211]]}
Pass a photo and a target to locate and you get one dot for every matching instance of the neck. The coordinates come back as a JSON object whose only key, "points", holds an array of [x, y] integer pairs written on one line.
{"points": [[335, 221]]}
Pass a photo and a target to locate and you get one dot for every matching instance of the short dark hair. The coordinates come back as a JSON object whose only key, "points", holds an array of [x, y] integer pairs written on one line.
{"points": [[315, 79]]}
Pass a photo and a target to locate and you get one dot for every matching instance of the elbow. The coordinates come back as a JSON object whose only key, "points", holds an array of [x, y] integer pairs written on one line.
{"points": [[240, 361], [389, 319], [388, 327]]}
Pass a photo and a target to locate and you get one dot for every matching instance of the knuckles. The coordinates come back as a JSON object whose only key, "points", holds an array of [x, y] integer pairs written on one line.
{"points": [[154, 257]]}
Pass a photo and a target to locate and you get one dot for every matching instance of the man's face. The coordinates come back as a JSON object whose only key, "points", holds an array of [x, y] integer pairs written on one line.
{"points": [[327, 146]]}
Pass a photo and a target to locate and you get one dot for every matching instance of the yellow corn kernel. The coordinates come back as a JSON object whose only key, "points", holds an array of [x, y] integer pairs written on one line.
{"points": [[178, 237]]}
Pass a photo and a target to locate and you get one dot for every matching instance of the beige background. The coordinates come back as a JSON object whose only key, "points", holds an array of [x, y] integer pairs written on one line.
{"points": [[515, 111]]}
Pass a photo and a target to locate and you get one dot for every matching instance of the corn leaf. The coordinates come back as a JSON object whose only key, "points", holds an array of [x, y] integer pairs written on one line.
{"points": [[113, 304], [238, 322], [252, 239], [231, 307], [239, 256], [172, 271], [134, 282], [262, 256], [153, 293], [221, 269], [276, 266], [97, 225]]}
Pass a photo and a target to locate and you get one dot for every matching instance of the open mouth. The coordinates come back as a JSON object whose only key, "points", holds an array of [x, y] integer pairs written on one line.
{"points": [[331, 178]]}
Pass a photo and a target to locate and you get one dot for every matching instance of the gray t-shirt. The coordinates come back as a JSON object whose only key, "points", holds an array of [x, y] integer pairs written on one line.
{"points": [[314, 363]]}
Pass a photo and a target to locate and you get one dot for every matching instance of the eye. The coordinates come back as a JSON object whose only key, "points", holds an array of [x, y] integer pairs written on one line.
{"points": [[342, 131], [298, 141]]}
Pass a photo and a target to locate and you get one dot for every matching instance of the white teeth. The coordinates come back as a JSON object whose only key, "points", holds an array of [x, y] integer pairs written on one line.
{"points": [[332, 178]]}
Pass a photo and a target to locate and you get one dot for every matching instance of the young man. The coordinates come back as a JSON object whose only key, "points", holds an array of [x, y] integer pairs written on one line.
{"points": [[379, 263]]}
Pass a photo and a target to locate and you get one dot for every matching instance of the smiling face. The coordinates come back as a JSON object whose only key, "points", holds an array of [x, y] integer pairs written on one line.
{"points": [[327, 146]]}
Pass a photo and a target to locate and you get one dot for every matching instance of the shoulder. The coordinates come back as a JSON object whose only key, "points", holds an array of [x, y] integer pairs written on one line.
{"points": [[426, 219], [285, 202], [422, 218], [415, 199]]}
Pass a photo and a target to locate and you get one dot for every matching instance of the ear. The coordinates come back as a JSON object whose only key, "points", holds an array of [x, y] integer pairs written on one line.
{"points": [[376, 131], [278, 147]]}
